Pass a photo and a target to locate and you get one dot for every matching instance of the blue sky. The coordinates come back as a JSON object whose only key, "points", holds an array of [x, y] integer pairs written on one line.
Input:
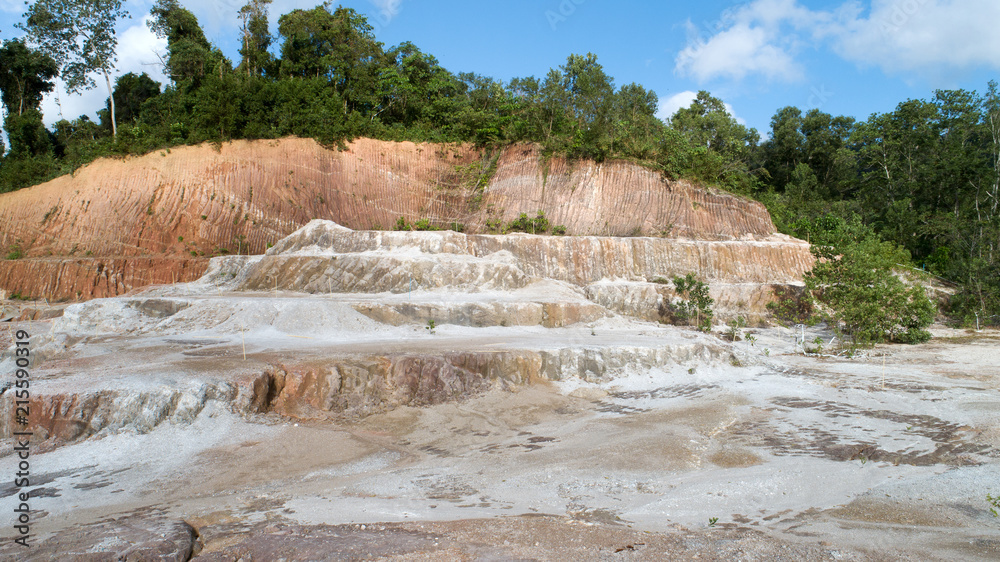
{"points": [[841, 56]]}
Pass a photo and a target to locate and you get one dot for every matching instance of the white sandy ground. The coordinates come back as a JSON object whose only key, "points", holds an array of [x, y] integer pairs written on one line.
{"points": [[782, 443]]}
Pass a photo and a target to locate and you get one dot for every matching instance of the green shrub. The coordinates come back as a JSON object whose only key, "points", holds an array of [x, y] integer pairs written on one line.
{"points": [[424, 225], [867, 302], [559, 230], [693, 306], [15, 253], [791, 306], [523, 223], [736, 326]]}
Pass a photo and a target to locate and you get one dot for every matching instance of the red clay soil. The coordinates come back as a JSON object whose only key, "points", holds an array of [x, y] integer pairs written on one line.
{"points": [[120, 224]]}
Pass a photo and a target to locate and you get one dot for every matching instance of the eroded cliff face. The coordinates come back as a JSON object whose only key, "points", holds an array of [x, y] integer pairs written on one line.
{"points": [[616, 199], [629, 276], [119, 224]]}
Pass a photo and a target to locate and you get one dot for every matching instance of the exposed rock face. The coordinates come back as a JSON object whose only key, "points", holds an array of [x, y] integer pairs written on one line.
{"points": [[339, 387], [86, 278], [620, 274], [617, 199], [108, 228], [142, 535]]}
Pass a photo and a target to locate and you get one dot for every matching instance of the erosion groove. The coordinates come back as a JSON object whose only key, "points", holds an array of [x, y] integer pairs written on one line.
{"points": [[626, 275], [119, 224], [349, 387]]}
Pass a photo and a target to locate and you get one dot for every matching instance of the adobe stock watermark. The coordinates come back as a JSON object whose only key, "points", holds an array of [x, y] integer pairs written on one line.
{"points": [[899, 15], [818, 96], [563, 11], [387, 10]]}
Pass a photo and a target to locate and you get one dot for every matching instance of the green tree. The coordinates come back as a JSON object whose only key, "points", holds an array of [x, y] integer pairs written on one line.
{"points": [[590, 93], [131, 92], [693, 302], [340, 46], [189, 54], [854, 276], [25, 75], [80, 36], [722, 150], [256, 37], [785, 149], [635, 122]]}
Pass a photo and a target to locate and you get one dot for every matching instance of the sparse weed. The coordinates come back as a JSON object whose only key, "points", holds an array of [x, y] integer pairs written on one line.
{"points": [[994, 502]]}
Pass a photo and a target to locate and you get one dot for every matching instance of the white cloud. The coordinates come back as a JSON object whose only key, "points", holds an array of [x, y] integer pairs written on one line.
{"points": [[935, 39], [668, 107], [137, 49], [758, 38], [932, 39], [737, 52]]}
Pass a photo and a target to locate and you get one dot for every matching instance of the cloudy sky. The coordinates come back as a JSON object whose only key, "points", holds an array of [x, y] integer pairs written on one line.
{"points": [[844, 57]]}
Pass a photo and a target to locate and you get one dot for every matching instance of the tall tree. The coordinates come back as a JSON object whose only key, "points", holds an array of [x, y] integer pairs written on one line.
{"points": [[785, 149], [25, 75], [189, 54], [256, 37], [635, 121], [131, 91], [338, 45], [723, 150], [591, 94], [80, 36]]}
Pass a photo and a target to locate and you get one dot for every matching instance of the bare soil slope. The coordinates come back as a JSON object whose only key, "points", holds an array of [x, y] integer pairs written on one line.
{"points": [[119, 224]]}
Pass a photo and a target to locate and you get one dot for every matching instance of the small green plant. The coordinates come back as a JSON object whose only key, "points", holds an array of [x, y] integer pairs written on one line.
{"points": [[736, 325], [419, 225], [751, 339], [15, 253], [559, 230], [712, 521], [994, 502], [494, 226], [180, 238], [457, 227], [431, 325], [204, 217], [425, 225], [818, 342], [523, 223], [767, 352], [693, 302]]}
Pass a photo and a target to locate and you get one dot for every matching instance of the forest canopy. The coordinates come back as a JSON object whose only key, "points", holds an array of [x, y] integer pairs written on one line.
{"points": [[924, 178]]}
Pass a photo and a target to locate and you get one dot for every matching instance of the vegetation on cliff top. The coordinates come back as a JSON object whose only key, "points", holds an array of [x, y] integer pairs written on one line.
{"points": [[925, 178]]}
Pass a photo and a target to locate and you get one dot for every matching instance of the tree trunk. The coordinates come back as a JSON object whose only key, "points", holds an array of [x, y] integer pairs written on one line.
{"points": [[111, 96]]}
